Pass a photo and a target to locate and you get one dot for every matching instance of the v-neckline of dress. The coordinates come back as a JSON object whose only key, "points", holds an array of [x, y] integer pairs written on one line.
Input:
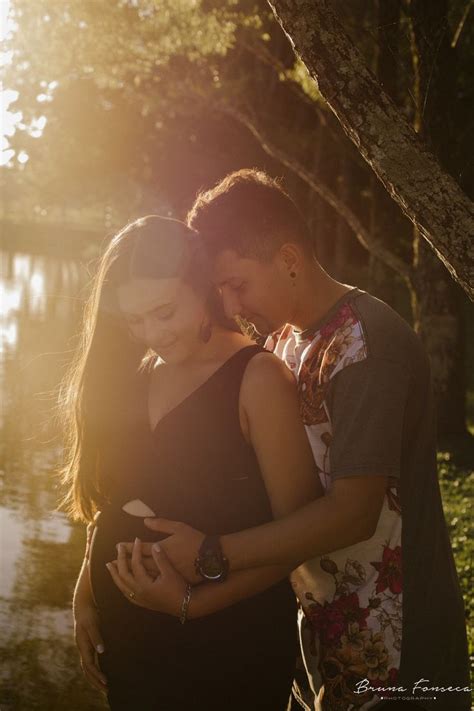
{"points": [[152, 429]]}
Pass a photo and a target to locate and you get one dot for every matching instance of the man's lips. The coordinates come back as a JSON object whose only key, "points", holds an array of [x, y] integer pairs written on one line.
{"points": [[254, 318], [259, 323]]}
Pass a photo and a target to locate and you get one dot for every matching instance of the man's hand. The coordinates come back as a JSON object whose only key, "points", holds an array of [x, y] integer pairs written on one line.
{"points": [[89, 643], [181, 547]]}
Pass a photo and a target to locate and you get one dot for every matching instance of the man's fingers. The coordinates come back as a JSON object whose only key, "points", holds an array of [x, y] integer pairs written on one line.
{"points": [[146, 548], [138, 569], [163, 525]]}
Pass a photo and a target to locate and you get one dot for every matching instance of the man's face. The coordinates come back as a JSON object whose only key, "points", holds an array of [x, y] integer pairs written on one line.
{"points": [[259, 292]]}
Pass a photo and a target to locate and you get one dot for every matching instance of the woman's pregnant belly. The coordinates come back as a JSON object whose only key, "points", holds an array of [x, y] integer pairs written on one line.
{"points": [[113, 526], [259, 621]]}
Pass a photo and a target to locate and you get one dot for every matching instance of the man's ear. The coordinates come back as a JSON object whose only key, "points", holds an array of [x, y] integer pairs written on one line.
{"points": [[290, 257]]}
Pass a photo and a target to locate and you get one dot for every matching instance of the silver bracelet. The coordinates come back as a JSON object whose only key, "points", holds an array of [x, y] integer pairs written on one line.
{"points": [[185, 603]]}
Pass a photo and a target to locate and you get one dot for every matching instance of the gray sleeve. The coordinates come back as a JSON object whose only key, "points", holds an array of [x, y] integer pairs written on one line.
{"points": [[366, 403]]}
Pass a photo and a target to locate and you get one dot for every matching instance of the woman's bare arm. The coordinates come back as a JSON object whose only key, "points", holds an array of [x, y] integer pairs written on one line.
{"points": [[86, 626]]}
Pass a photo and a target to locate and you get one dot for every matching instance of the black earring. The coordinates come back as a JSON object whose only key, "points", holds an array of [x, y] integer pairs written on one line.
{"points": [[293, 275]]}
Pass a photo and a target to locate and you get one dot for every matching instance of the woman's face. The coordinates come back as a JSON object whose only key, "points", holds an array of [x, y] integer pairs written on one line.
{"points": [[164, 314]]}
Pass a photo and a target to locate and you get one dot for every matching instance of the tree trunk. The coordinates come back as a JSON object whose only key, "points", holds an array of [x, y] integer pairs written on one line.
{"points": [[385, 66], [437, 308], [437, 304], [429, 197]]}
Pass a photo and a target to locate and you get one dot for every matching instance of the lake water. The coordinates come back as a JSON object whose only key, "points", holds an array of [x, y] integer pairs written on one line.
{"points": [[40, 301]]}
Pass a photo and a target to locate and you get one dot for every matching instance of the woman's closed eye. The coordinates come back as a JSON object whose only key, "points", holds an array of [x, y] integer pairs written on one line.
{"points": [[159, 313]]}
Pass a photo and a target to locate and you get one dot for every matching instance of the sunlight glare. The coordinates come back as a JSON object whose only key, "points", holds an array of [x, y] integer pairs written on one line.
{"points": [[6, 23]]}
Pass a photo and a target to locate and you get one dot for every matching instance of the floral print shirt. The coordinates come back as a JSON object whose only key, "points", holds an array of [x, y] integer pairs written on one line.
{"points": [[388, 611], [352, 599]]}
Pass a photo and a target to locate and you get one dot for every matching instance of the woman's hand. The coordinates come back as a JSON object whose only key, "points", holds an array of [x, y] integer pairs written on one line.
{"points": [[163, 592], [89, 643]]}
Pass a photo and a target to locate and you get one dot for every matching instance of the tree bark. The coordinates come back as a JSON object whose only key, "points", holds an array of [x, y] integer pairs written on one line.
{"points": [[429, 196], [438, 319], [437, 303], [385, 67]]}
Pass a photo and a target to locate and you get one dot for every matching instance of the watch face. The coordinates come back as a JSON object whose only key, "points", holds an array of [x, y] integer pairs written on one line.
{"points": [[212, 566]]}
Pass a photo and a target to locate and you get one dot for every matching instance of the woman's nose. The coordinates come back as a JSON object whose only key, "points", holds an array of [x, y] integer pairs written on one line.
{"points": [[152, 330]]}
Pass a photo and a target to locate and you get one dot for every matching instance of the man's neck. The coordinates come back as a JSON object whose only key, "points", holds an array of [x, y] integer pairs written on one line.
{"points": [[317, 295]]}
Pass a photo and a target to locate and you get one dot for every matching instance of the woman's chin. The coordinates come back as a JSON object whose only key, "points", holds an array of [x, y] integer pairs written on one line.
{"points": [[169, 354]]}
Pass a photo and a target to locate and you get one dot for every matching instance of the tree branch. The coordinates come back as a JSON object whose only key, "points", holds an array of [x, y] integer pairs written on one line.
{"points": [[366, 239], [427, 195]]}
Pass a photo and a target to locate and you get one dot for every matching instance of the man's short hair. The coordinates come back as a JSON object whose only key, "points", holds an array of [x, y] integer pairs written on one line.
{"points": [[250, 213]]}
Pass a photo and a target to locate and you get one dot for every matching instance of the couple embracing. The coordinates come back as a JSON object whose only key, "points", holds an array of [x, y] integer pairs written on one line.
{"points": [[253, 503]]}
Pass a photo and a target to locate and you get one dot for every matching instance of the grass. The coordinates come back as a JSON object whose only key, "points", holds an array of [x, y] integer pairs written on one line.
{"points": [[456, 479]]}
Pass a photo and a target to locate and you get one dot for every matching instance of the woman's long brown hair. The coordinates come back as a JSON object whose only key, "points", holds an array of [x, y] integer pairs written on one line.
{"points": [[93, 393], [104, 358]]}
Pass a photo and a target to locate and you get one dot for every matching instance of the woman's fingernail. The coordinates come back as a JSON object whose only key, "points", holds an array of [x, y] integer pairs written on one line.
{"points": [[100, 648], [156, 547], [108, 566], [137, 540]]}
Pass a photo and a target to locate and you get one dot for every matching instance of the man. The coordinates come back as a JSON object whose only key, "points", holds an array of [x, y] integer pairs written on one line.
{"points": [[368, 633]]}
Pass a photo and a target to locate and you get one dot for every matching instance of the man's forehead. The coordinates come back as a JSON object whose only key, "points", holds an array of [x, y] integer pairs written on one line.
{"points": [[229, 265]]}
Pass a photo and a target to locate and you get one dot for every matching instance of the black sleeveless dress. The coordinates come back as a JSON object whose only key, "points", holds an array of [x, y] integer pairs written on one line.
{"points": [[194, 467]]}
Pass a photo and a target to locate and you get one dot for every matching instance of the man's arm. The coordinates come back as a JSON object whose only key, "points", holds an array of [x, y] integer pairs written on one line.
{"points": [[347, 515], [336, 520], [211, 597], [367, 403]]}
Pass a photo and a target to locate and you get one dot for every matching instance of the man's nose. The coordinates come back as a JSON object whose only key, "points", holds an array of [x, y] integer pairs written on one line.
{"points": [[231, 303]]}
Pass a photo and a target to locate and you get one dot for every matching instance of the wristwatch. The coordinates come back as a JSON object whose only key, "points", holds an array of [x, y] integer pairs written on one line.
{"points": [[211, 564]]}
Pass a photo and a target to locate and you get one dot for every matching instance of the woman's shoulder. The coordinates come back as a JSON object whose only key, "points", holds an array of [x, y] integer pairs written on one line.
{"points": [[265, 372], [268, 395]]}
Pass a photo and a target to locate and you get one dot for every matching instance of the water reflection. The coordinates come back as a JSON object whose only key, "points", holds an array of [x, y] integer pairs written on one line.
{"points": [[40, 300]]}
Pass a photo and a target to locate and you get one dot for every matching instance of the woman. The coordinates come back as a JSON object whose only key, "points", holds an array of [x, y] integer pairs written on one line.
{"points": [[174, 412]]}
